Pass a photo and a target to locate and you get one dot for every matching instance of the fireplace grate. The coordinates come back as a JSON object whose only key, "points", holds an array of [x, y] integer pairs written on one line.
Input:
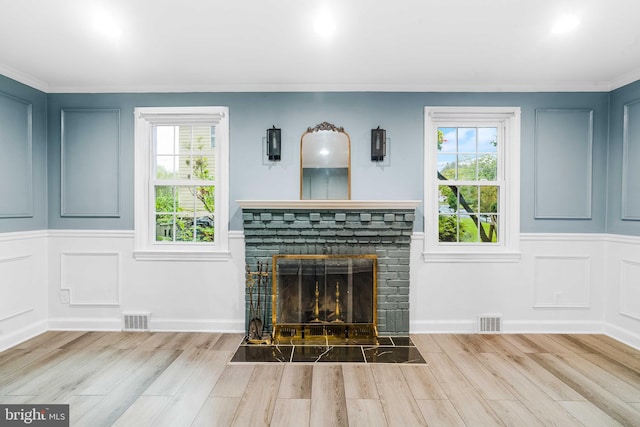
{"points": [[336, 332]]}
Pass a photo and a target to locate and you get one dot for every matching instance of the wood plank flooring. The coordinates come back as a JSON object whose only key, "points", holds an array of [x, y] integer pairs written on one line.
{"points": [[185, 379]]}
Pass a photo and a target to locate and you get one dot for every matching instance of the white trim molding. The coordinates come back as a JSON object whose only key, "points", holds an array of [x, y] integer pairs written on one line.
{"points": [[564, 260], [328, 204], [66, 286], [507, 122], [629, 296], [146, 248]]}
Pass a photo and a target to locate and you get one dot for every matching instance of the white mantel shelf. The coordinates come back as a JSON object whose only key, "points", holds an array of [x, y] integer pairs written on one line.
{"points": [[329, 204]]}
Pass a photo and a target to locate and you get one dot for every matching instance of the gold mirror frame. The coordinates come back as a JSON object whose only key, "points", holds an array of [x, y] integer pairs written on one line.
{"points": [[321, 136]]}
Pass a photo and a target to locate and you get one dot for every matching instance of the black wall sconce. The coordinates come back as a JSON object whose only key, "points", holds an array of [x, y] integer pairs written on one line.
{"points": [[378, 144], [274, 144]]}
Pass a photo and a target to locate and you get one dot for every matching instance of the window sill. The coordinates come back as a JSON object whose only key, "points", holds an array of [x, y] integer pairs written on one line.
{"points": [[454, 257], [164, 255]]}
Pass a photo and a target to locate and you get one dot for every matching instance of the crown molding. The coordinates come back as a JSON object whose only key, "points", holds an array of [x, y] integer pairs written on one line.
{"points": [[24, 78]]}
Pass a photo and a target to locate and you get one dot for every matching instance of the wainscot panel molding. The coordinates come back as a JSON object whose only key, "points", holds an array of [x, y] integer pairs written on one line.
{"points": [[15, 272], [16, 161], [23, 235], [91, 278], [23, 286], [92, 234], [448, 297], [562, 281], [90, 163], [622, 256], [563, 163], [210, 296], [630, 288], [567, 237], [179, 295]]}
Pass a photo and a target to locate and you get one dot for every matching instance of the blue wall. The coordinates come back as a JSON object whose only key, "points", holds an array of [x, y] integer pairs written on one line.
{"points": [[401, 114], [23, 157], [625, 95]]}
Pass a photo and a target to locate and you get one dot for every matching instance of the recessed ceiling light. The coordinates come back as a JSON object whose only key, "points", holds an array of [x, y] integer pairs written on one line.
{"points": [[565, 24], [325, 25]]}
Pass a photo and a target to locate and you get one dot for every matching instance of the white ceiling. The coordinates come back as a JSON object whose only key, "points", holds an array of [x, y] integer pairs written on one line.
{"points": [[270, 45]]}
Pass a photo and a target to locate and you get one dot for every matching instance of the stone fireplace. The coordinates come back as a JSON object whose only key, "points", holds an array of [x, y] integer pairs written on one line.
{"points": [[338, 228]]}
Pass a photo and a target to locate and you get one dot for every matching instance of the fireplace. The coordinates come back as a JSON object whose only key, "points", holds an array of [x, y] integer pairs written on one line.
{"points": [[324, 297], [313, 234]]}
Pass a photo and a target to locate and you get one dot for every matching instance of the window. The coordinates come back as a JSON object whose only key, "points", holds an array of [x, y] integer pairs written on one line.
{"points": [[472, 205], [181, 183]]}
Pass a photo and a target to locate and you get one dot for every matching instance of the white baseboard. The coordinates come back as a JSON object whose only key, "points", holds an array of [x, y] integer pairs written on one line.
{"points": [[85, 324], [622, 335], [443, 327], [191, 325], [512, 327], [156, 325], [552, 327], [23, 335]]}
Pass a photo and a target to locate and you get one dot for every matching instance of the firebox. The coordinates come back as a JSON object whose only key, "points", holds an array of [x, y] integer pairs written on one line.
{"points": [[324, 297]]}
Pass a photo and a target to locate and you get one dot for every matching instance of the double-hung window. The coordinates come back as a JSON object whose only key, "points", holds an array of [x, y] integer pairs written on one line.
{"points": [[181, 183], [472, 183]]}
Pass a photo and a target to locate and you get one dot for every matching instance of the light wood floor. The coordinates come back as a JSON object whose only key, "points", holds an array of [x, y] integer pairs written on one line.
{"points": [[184, 379]]}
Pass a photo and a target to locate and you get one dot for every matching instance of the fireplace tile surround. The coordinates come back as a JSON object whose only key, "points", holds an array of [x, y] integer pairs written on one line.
{"points": [[341, 227]]}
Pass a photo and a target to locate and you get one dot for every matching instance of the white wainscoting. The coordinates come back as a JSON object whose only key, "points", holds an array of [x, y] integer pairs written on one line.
{"points": [[209, 296], [562, 281], [23, 295], [630, 289], [557, 286], [622, 320], [91, 278], [103, 281]]}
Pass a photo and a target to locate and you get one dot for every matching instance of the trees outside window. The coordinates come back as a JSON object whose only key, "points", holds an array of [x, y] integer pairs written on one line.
{"points": [[471, 180], [182, 182]]}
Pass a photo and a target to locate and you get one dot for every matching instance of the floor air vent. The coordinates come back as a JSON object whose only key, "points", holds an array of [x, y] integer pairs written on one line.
{"points": [[489, 324], [136, 322]]}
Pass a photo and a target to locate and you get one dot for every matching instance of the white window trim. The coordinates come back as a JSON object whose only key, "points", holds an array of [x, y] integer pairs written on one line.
{"points": [[145, 247], [508, 250]]}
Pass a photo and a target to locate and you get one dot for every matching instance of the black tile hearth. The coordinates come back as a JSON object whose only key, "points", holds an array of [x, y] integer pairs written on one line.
{"points": [[384, 354], [263, 353], [316, 354], [388, 350]]}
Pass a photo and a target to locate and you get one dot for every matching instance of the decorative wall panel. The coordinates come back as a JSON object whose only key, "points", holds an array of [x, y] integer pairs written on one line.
{"points": [[631, 160], [90, 163], [92, 278], [15, 286], [563, 163], [630, 288], [562, 281], [16, 191]]}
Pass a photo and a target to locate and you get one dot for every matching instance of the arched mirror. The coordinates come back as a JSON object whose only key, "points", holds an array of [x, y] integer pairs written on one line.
{"points": [[325, 159]]}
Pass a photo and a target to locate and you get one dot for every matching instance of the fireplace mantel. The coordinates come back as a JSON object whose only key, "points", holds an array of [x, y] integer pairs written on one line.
{"points": [[328, 204]]}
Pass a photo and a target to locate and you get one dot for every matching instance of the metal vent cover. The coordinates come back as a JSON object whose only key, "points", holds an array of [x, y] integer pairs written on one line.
{"points": [[138, 322], [489, 324]]}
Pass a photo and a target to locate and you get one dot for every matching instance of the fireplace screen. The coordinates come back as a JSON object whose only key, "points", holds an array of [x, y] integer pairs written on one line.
{"points": [[324, 296]]}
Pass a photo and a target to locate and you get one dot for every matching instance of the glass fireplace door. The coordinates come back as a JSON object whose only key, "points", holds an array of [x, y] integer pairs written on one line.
{"points": [[324, 296]]}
